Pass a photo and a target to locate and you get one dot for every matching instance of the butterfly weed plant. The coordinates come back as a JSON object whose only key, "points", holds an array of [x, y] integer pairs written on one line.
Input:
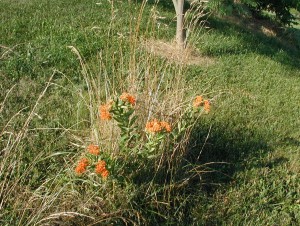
{"points": [[141, 118], [136, 142], [124, 163]]}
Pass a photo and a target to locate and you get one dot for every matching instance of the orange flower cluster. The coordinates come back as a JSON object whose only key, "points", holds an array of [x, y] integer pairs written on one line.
{"points": [[101, 169], [199, 101], [126, 97], [93, 149], [207, 106], [166, 126], [156, 126], [100, 166], [81, 167], [104, 111]]}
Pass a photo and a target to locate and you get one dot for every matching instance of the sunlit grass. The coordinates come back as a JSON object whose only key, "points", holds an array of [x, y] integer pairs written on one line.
{"points": [[249, 141]]}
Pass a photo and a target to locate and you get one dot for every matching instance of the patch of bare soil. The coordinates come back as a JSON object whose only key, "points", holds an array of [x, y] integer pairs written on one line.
{"points": [[171, 52]]}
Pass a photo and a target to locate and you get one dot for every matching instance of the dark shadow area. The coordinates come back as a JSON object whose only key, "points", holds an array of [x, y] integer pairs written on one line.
{"points": [[218, 152], [280, 48], [290, 141], [225, 151], [275, 162], [294, 35], [213, 156]]}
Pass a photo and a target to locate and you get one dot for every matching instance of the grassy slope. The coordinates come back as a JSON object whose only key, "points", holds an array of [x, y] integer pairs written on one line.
{"points": [[255, 127], [255, 121]]}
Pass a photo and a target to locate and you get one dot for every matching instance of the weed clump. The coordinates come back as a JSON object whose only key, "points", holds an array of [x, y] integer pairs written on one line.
{"points": [[156, 146]]}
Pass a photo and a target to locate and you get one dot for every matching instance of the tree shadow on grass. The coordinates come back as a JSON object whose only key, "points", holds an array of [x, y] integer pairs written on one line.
{"points": [[226, 151], [219, 152], [250, 35], [240, 38], [212, 158]]}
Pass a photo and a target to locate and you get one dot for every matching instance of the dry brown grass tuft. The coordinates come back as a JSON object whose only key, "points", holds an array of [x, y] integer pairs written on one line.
{"points": [[170, 51]]}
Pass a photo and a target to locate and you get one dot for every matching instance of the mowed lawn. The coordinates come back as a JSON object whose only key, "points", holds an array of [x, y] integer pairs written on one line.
{"points": [[256, 125], [251, 136]]}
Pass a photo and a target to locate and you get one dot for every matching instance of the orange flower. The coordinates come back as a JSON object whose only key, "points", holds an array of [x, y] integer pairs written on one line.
{"points": [[206, 106], [105, 174], [100, 167], [198, 101], [153, 126], [156, 126], [126, 97], [104, 111], [166, 126], [81, 167], [93, 149]]}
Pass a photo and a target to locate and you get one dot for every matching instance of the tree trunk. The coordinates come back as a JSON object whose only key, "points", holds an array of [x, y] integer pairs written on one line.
{"points": [[180, 39]]}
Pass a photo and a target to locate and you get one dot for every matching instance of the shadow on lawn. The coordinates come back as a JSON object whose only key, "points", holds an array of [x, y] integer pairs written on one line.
{"points": [[227, 149], [221, 150], [283, 49]]}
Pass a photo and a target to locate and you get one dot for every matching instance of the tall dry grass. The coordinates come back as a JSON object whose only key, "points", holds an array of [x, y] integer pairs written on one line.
{"points": [[143, 191]]}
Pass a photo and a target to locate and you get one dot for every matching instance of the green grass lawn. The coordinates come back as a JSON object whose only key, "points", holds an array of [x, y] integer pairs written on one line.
{"points": [[251, 137], [255, 126]]}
